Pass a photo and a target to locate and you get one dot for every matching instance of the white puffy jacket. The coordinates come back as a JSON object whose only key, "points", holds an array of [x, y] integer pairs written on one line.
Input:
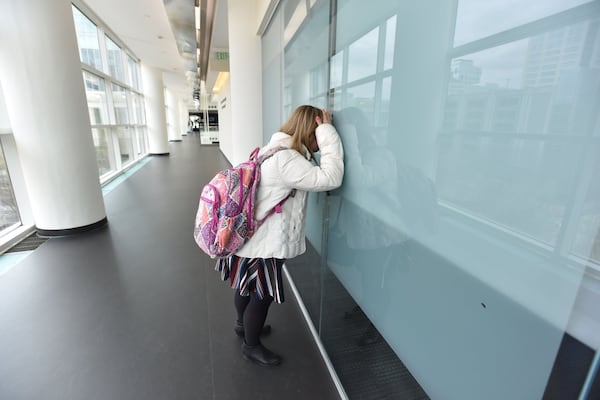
{"points": [[282, 234]]}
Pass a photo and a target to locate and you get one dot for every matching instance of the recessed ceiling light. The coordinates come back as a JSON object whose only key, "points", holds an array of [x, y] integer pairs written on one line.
{"points": [[160, 37]]}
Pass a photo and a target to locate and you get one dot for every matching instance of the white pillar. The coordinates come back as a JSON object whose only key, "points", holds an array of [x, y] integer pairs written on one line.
{"points": [[154, 101], [46, 102], [245, 79], [183, 117], [173, 116]]}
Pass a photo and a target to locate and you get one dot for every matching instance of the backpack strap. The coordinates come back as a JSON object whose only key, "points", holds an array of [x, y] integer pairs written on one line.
{"points": [[275, 210], [254, 154], [268, 154]]}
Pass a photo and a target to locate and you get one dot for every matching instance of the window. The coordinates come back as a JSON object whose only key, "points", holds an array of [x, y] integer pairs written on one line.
{"points": [[87, 38], [115, 103], [133, 71], [125, 144], [9, 212], [115, 60], [477, 19], [120, 105], [96, 98], [362, 56], [104, 150]]}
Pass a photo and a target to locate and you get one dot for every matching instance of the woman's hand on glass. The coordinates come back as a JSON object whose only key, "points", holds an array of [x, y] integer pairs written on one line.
{"points": [[326, 118]]}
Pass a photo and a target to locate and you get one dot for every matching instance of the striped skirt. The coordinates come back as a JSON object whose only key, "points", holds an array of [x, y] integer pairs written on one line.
{"points": [[262, 276]]}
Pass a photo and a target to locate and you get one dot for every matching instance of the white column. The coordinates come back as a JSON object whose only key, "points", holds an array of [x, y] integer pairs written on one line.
{"points": [[174, 130], [183, 117], [182, 125], [156, 120], [245, 79], [45, 98]]}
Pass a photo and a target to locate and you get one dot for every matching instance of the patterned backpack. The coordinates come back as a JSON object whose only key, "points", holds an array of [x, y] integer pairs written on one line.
{"points": [[225, 217]]}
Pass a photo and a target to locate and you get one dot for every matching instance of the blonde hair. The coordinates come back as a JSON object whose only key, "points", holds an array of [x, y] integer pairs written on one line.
{"points": [[300, 125]]}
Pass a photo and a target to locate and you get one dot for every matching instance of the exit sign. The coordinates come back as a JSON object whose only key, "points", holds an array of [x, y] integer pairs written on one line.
{"points": [[222, 55]]}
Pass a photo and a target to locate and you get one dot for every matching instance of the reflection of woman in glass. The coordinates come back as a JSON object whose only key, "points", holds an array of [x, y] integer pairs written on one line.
{"points": [[367, 232], [370, 185]]}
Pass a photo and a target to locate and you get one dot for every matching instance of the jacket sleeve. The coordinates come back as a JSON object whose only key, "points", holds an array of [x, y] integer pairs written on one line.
{"points": [[299, 173]]}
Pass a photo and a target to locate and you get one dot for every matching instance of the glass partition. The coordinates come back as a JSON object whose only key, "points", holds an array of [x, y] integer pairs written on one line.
{"points": [[468, 182], [305, 30], [272, 66], [460, 257]]}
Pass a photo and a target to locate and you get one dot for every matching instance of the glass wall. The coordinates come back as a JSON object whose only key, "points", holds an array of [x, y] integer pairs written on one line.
{"points": [[296, 43], [115, 101], [460, 257], [9, 211]]}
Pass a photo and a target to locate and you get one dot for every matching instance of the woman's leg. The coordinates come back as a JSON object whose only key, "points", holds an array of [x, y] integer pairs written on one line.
{"points": [[254, 318], [240, 302]]}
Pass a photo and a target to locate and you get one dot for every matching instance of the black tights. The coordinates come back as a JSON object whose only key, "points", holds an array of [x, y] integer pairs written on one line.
{"points": [[252, 313]]}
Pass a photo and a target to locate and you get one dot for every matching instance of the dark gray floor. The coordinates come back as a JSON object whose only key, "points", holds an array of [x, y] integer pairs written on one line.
{"points": [[135, 310]]}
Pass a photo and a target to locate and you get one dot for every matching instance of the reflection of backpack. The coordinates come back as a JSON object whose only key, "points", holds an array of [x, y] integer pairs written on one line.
{"points": [[225, 217]]}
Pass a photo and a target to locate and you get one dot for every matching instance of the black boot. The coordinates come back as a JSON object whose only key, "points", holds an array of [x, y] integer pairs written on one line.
{"points": [[239, 329], [260, 355]]}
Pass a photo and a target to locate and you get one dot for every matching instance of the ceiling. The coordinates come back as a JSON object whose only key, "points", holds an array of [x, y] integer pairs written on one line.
{"points": [[161, 33]]}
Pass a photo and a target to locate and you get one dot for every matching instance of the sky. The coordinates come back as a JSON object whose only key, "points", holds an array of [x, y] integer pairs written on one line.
{"points": [[476, 19]]}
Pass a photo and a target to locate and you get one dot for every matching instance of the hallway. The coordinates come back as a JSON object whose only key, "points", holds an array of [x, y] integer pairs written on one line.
{"points": [[135, 310]]}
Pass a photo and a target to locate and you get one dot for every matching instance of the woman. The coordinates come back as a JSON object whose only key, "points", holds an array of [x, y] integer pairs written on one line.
{"points": [[255, 270]]}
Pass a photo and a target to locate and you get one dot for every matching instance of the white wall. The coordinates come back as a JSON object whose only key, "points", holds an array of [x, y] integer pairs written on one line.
{"points": [[225, 135], [245, 79]]}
